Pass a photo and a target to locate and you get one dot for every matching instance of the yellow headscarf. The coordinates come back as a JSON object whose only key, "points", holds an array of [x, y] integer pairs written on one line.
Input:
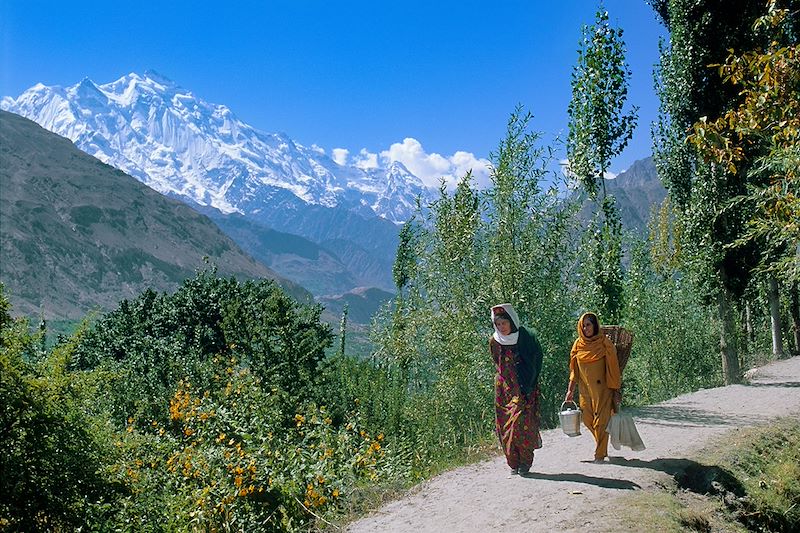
{"points": [[590, 349]]}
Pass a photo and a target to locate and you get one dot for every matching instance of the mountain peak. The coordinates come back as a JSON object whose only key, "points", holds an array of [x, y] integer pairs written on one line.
{"points": [[157, 77], [160, 133], [87, 87]]}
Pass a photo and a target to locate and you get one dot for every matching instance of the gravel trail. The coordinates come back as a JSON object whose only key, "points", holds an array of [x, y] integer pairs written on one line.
{"points": [[565, 487]]}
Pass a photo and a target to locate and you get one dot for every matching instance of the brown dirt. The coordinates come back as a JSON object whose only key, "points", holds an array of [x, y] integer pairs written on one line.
{"points": [[566, 491]]}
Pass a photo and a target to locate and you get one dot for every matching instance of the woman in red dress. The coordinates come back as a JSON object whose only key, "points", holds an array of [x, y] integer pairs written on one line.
{"points": [[517, 357]]}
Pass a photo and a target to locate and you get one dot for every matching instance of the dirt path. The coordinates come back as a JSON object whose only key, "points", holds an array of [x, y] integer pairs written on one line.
{"points": [[565, 487]]}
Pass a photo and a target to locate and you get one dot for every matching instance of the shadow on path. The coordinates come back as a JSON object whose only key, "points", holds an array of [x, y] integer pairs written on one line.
{"points": [[668, 465], [782, 384], [603, 482], [691, 475], [676, 415]]}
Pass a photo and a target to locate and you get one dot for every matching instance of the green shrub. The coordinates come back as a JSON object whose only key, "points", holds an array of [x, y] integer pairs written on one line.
{"points": [[153, 342], [51, 451]]}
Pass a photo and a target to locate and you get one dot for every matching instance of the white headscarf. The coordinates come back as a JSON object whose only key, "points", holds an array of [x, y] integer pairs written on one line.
{"points": [[511, 338]]}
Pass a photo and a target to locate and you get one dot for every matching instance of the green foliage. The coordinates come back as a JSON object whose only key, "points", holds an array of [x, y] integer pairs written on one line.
{"points": [[767, 463], [508, 243], [5, 309], [598, 128], [702, 33], [180, 412], [601, 279], [153, 342], [405, 262], [51, 448], [675, 336], [598, 131], [766, 122], [226, 459]]}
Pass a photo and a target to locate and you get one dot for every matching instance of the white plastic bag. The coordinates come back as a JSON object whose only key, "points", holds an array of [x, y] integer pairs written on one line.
{"points": [[622, 431]]}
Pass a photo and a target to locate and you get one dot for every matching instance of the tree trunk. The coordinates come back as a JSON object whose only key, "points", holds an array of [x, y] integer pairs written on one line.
{"points": [[775, 317], [794, 310], [751, 335], [727, 339], [745, 348]]}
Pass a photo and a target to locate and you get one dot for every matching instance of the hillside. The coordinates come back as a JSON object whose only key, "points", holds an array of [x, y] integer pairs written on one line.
{"points": [[331, 267], [636, 190], [202, 154], [77, 234], [362, 303]]}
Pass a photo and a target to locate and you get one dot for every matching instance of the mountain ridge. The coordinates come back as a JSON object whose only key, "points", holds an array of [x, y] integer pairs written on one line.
{"points": [[163, 135], [203, 155], [78, 234]]}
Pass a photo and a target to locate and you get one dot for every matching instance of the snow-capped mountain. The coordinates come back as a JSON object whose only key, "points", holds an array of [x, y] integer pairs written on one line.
{"points": [[182, 146]]}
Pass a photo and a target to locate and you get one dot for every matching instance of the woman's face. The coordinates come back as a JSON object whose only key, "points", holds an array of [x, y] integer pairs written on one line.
{"points": [[503, 326], [588, 327]]}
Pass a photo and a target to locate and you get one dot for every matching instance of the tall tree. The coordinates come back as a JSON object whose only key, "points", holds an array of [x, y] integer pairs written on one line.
{"points": [[768, 116], [766, 121], [701, 34], [599, 129]]}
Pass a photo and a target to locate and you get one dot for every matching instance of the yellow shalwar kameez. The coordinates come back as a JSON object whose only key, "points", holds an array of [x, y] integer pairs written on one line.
{"points": [[594, 366]]}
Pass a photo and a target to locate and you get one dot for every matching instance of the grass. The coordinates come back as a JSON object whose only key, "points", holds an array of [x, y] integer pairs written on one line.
{"points": [[766, 461], [671, 510]]}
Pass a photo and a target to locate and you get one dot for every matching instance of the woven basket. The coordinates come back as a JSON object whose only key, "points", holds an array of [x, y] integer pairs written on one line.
{"points": [[622, 339]]}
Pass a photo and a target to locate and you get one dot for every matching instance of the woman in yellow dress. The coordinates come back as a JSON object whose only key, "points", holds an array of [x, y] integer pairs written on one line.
{"points": [[593, 365]]}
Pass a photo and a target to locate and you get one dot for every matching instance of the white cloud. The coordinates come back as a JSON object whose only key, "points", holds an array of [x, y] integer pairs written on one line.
{"points": [[340, 155], [365, 159], [431, 168], [466, 161], [318, 149]]}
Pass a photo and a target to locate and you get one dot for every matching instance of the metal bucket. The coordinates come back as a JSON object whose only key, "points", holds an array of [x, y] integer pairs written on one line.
{"points": [[570, 420]]}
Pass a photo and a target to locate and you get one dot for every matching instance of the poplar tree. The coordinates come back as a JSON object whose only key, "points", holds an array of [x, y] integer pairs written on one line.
{"points": [[701, 33], [599, 129]]}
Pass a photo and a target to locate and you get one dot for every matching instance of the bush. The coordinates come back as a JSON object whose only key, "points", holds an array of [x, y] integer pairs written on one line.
{"points": [[51, 451], [152, 343]]}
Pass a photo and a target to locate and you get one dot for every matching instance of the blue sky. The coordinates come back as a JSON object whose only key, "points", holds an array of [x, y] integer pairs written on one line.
{"points": [[414, 80]]}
